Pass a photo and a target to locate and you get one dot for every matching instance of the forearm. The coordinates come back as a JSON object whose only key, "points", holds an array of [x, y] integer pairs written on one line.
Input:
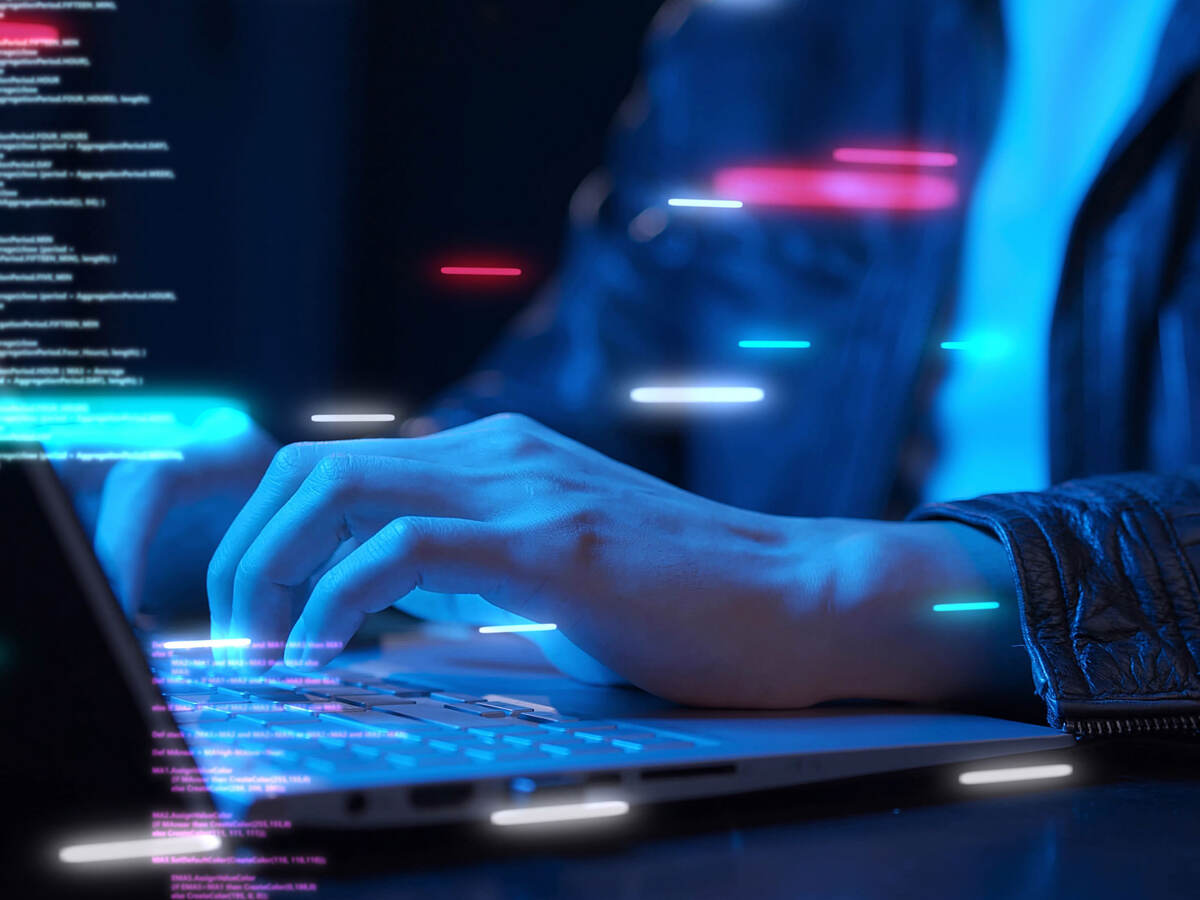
{"points": [[1105, 570], [927, 614]]}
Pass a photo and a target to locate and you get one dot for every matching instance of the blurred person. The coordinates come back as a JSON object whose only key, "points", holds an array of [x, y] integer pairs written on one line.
{"points": [[1043, 463]]}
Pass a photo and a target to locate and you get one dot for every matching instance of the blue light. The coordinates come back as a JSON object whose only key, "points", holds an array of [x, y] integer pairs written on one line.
{"points": [[128, 421], [505, 629], [981, 346], [965, 607], [775, 345]]}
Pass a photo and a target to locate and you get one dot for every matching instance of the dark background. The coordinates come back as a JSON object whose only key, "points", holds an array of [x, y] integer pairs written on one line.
{"points": [[331, 155]]}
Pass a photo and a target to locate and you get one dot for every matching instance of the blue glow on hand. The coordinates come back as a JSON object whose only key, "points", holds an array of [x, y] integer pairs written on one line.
{"points": [[965, 607], [775, 345], [222, 423]]}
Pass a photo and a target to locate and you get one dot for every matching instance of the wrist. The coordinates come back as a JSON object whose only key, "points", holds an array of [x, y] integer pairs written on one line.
{"points": [[927, 612]]}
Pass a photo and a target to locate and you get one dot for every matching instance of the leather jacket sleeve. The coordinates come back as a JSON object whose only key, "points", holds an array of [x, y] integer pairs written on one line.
{"points": [[1106, 576]]}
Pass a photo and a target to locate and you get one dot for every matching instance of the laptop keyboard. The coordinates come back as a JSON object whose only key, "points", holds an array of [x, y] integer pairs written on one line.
{"points": [[372, 723]]}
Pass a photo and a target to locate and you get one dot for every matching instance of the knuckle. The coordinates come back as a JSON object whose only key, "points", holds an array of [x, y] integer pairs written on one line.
{"points": [[218, 568], [289, 458], [337, 472], [585, 529], [404, 537], [247, 569]]}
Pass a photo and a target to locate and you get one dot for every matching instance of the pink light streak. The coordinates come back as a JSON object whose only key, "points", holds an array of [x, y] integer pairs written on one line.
{"points": [[27, 34], [500, 271], [811, 188], [932, 158]]}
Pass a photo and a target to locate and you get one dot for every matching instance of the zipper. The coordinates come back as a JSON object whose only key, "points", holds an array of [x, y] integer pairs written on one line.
{"points": [[1148, 725]]}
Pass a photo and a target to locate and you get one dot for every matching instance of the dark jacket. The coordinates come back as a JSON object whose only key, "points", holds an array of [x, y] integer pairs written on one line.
{"points": [[1105, 561]]}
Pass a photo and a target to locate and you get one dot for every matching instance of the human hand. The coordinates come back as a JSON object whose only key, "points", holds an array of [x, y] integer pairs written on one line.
{"points": [[687, 598], [192, 500]]}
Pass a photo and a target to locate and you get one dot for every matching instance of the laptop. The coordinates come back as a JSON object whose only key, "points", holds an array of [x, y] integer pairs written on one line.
{"points": [[441, 724]]}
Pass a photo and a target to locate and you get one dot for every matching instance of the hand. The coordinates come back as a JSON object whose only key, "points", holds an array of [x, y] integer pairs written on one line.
{"points": [[693, 600], [192, 502]]}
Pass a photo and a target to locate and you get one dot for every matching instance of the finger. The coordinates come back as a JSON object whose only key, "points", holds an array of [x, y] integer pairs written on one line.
{"points": [[286, 472], [439, 554], [133, 503], [293, 463], [343, 497]]}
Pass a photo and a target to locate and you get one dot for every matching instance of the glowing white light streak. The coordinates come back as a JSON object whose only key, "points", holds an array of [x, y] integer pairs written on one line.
{"points": [[140, 849], [696, 395], [705, 204], [566, 812], [354, 417], [216, 642], [965, 607], [504, 629], [1018, 773]]}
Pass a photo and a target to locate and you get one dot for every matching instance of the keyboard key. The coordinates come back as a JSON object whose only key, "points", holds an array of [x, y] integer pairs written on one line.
{"points": [[271, 719], [484, 711], [454, 697], [657, 744], [438, 714], [275, 695], [339, 690], [386, 700], [315, 708], [510, 708], [547, 718], [365, 720]]}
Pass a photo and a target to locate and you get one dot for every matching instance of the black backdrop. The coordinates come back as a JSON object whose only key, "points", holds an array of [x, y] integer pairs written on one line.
{"points": [[330, 154]]}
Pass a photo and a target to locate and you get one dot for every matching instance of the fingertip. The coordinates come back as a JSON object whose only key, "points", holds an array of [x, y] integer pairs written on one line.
{"points": [[295, 649]]}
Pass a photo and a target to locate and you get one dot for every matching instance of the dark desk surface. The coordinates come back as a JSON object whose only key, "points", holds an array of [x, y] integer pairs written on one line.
{"points": [[1127, 826]]}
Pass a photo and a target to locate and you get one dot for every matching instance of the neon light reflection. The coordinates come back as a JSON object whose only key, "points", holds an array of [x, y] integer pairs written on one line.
{"points": [[354, 417], [965, 607], [696, 395], [27, 34], [566, 812], [805, 188], [705, 204], [140, 849], [215, 642], [1017, 773], [498, 271], [885, 157], [775, 345], [506, 629]]}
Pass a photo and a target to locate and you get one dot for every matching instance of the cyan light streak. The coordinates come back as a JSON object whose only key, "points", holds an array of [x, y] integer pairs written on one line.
{"points": [[983, 346], [127, 421], [965, 607], [698, 394], [139, 849], [775, 345], [565, 812], [704, 204], [1017, 773], [506, 629], [215, 642]]}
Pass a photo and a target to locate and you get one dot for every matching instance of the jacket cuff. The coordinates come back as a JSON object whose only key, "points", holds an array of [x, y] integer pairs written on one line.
{"points": [[1105, 573]]}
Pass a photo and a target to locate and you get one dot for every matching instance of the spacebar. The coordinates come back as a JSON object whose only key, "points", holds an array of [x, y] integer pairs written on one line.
{"points": [[448, 718]]}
